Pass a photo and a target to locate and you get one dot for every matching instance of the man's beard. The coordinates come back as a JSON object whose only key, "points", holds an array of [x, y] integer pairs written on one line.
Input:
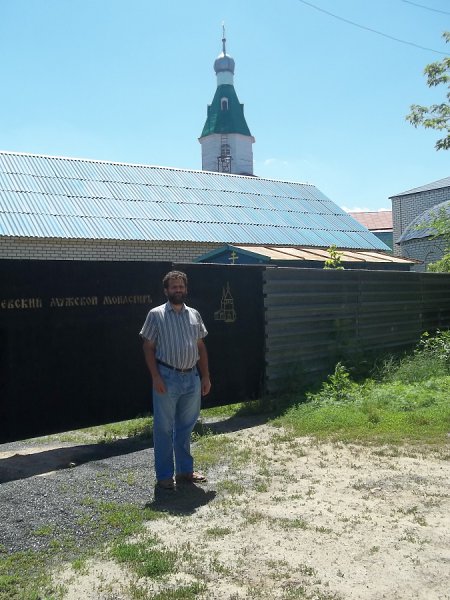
{"points": [[177, 298]]}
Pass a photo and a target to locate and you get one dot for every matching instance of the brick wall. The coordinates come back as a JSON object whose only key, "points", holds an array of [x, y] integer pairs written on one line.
{"points": [[58, 249], [423, 249], [405, 209]]}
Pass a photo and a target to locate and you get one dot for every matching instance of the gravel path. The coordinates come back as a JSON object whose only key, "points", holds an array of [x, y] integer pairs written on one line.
{"points": [[43, 487], [48, 487]]}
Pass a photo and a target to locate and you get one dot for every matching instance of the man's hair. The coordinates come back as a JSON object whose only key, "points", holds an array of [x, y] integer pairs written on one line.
{"points": [[174, 275]]}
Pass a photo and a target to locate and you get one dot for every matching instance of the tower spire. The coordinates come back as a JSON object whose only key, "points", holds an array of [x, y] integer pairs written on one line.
{"points": [[224, 39], [226, 139]]}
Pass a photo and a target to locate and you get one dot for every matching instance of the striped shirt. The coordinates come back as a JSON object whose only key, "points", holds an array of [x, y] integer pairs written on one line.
{"points": [[175, 334]]}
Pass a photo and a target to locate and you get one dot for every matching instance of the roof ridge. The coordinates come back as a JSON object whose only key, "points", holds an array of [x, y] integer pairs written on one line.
{"points": [[147, 166]]}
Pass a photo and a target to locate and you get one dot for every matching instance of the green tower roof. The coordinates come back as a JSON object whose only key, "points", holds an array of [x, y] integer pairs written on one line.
{"points": [[231, 120]]}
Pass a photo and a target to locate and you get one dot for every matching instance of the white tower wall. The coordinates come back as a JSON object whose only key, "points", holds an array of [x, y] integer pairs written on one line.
{"points": [[241, 152]]}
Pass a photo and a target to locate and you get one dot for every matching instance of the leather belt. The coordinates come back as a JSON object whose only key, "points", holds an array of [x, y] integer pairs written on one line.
{"points": [[160, 362]]}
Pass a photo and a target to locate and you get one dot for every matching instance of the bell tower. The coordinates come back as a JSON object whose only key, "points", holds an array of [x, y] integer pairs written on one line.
{"points": [[226, 139]]}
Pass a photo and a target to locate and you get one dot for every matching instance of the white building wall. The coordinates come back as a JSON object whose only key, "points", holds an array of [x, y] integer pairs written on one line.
{"points": [[240, 148], [58, 249]]}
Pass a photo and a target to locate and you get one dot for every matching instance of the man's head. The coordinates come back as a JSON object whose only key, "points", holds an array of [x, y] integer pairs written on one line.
{"points": [[175, 287]]}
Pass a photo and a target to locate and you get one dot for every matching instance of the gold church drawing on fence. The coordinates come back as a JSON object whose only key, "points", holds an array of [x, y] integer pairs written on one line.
{"points": [[226, 312]]}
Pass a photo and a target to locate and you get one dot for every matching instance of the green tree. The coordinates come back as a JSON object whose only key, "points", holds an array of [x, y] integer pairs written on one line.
{"points": [[436, 116], [334, 262]]}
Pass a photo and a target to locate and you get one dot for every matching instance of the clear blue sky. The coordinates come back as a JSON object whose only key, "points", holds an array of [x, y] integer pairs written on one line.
{"points": [[326, 101]]}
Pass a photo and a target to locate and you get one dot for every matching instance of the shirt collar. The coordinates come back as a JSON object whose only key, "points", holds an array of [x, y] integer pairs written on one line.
{"points": [[170, 307]]}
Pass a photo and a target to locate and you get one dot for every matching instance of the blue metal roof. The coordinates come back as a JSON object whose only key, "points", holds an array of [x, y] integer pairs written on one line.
{"points": [[72, 198]]}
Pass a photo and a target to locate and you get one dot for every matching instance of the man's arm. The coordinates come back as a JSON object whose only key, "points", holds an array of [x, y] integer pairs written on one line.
{"points": [[150, 359], [203, 367]]}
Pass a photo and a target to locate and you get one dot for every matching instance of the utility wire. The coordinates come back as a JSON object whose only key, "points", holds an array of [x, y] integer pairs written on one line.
{"points": [[427, 7], [372, 30]]}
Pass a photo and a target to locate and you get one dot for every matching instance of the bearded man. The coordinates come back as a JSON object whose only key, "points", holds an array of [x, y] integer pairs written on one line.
{"points": [[177, 359]]}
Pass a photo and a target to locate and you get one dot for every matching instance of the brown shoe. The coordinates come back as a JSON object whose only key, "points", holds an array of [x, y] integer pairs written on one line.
{"points": [[190, 478], [166, 484]]}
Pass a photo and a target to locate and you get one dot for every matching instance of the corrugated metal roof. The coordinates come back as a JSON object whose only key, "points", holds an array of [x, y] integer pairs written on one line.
{"points": [[71, 198], [434, 185], [374, 221], [294, 253]]}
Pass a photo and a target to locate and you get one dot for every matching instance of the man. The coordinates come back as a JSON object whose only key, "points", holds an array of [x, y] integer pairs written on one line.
{"points": [[173, 347]]}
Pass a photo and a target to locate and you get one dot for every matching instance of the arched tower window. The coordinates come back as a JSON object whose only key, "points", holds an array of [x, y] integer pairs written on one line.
{"points": [[224, 103], [225, 149]]}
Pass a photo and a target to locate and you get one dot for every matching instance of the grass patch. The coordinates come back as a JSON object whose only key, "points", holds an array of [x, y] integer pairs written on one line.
{"points": [[145, 560], [211, 450], [231, 487], [407, 400], [120, 520], [388, 413], [240, 409], [106, 433], [23, 576]]}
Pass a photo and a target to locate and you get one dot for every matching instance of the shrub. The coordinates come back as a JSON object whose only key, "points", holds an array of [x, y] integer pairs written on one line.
{"points": [[338, 388]]}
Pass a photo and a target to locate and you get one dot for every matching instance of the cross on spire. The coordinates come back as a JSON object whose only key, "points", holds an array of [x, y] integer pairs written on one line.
{"points": [[224, 39]]}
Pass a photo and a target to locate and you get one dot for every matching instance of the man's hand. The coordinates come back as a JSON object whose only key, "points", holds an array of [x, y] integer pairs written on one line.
{"points": [[159, 385], [150, 358], [206, 385], [203, 367]]}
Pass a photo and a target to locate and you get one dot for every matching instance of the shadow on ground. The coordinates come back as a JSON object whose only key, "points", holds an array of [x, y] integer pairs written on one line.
{"points": [[31, 459], [37, 460], [184, 500]]}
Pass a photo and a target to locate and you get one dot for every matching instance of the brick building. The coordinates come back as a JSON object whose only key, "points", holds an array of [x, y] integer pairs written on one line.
{"points": [[61, 208], [78, 209], [415, 207]]}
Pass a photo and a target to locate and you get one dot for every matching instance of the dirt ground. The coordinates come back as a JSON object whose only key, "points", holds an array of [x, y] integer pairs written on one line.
{"points": [[301, 519]]}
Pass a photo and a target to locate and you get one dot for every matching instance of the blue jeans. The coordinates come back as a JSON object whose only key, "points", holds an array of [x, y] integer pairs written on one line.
{"points": [[175, 414]]}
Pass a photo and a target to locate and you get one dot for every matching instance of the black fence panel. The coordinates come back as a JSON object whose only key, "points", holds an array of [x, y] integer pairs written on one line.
{"points": [[70, 352], [71, 356], [315, 317], [230, 300]]}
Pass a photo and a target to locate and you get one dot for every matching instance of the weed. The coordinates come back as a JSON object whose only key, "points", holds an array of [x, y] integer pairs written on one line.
{"points": [[217, 532], [322, 529], [216, 566], [338, 388], [261, 485], [307, 570], [293, 523], [187, 592], [412, 510], [252, 517], [79, 565], [44, 530], [420, 520]]}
